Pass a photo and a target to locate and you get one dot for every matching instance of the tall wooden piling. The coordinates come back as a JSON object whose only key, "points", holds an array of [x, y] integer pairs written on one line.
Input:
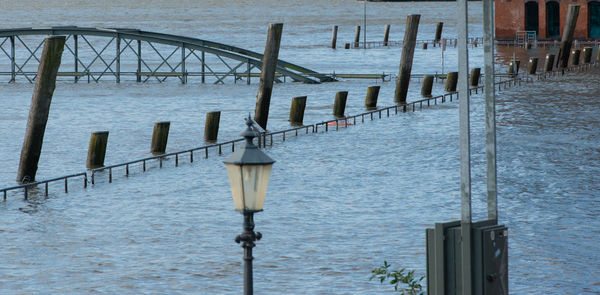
{"points": [[334, 36], [513, 67], [575, 54], [211, 126], [40, 108], [371, 99], [587, 55], [267, 74], [438, 32], [532, 66], [386, 35], [408, 51], [549, 64], [425, 45], [474, 77], [451, 81], [97, 149], [567, 37], [160, 136], [356, 36], [427, 85], [339, 104], [297, 110]]}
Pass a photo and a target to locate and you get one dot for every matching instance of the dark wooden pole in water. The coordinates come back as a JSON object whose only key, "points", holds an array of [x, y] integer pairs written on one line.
{"points": [[575, 57], [267, 75], [97, 149], [408, 51], [211, 126], [474, 77], [356, 36], [567, 37], [451, 81], [371, 99], [587, 55], [549, 64], [513, 67], [425, 45], [532, 66], [297, 110], [427, 85], [160, 136], [334, 36], [339, 104], [386, 35], [438, 32], [40, 108]]}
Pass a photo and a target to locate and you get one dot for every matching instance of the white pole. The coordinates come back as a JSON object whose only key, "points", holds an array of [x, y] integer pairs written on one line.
{"points": [[490, 108]]}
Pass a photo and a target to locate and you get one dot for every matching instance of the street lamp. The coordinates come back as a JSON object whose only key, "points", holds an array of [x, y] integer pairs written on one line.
{"points": [[249, 170]]}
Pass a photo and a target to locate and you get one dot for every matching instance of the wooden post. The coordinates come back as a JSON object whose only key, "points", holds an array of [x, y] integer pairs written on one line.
{"points": [[474, 77], [451, 81], [97, 149], [334, 36], [532, 66], [549, 64], [211, 126], [40, 108], [386, 35], [347, 46], [371, 99], [408, 51], [598, 55], [267, 75], [339, 104], [425, 45], [297, 110], [567, 37], [160, 135], [427, 85], [356, 36], [575, 53], [513, 67], [587, 55], [438, 32]]}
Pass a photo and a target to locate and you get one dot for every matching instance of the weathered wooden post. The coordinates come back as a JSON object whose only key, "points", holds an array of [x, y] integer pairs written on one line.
{"points": [[474, 77], [356, 37], [549, 64], [339, 104], [575, 53], [427, 85], [438, 32], [297, 110], [346, 45], [40, 108], [587, 55], [160, 136], [408, 51], [371, 99], [532, 66], [211, 126], [567, 37], [267, 75], [97, 149], [334, 36], [451, 81], [386, 35], [598, 55], [513, 67], [425, 45]]}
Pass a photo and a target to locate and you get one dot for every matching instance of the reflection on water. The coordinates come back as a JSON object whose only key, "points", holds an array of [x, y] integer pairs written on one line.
{"points": [[338, 204]]}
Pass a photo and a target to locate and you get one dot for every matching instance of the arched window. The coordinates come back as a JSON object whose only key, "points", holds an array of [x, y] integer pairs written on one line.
{"points": [[594, 19], [552, 19], [531, 17]]}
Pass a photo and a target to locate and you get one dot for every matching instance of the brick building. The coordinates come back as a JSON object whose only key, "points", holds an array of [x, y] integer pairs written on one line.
{"points": [[546, 18]]}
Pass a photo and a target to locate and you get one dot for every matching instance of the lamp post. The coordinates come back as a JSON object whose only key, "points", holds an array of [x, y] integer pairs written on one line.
{"points": [[249, 170]]}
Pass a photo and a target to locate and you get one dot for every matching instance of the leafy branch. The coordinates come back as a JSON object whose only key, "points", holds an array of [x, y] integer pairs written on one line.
{"points": [[411, 285]]}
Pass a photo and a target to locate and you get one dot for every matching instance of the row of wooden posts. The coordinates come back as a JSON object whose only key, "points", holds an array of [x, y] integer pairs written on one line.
{"points": [[575, 59], [386, 36]]}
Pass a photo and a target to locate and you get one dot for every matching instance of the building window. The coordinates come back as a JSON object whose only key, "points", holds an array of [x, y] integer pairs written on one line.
{"points": [[594, 19], [552, 19], [531, 17]]}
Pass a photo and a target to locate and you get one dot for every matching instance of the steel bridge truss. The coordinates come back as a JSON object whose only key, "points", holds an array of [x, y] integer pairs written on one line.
{"points": [[96, 54]]}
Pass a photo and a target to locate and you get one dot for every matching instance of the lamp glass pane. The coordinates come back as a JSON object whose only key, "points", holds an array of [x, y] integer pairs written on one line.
{"points": [[235, 181], [255, 183]]}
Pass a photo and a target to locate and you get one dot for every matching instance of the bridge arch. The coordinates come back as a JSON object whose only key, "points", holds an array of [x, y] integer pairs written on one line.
{"points": [[121, 53]]}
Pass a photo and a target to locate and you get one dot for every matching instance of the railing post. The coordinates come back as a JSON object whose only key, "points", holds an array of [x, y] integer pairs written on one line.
{"points": [[13, 74], [139, 61], [118, 71], [76, 57]]}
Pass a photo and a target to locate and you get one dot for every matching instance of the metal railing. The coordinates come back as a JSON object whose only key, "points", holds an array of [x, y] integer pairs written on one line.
{"points": [[27, 186]]}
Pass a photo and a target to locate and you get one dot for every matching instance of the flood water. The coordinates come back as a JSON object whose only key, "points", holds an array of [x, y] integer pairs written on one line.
{"points": [[338, 204]]}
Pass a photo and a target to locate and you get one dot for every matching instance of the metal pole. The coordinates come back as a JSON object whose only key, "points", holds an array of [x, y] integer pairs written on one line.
{"points": [[139, 65], [365, 24], [76, 56], [247, 238], [183, 77], [465, 145], [203, 63], [490, 108], [12, 59], [118, 72]]}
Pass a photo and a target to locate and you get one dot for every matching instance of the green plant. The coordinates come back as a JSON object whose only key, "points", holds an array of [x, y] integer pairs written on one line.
{"points": [[407, 278]]}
